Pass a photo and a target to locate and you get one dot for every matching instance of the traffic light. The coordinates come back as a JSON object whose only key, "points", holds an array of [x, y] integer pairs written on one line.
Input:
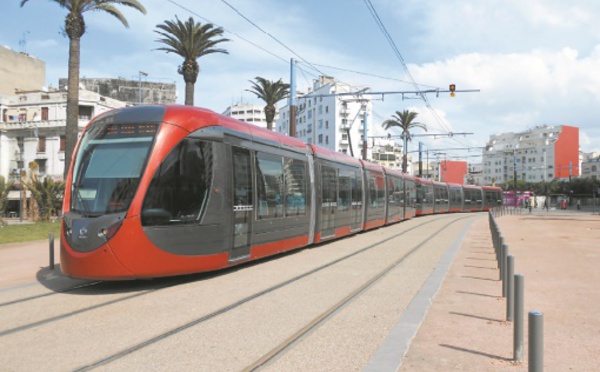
{"points": [[452, 89]]}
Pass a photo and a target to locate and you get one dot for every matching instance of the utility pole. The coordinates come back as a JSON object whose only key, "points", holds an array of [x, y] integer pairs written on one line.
{"points": [[515, 174], [452, 90], [421, 159], [364, 135], [140, 74], [292, 100], [434, 135]]}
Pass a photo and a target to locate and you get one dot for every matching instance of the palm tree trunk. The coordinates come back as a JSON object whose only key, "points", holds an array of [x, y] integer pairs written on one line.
{"points": [[189, 94], [72, 129]]}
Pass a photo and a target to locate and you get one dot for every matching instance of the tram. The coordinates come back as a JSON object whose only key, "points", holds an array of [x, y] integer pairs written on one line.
{"points": [[169, 190]]}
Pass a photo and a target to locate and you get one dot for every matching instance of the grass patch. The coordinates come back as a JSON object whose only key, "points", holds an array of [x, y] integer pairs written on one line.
{"points": [[29, 232]]}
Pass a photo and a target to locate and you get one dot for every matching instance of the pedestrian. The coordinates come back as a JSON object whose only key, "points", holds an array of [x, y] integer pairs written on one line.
{"points": [[578, 204], [546, 204], [563, 204]]}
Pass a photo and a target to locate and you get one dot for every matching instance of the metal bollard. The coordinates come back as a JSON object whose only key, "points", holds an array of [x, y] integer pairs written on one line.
{"points": [[504, 270], [536, 341], [51, 244], [510, 295], [499, 250], [518, 347]]}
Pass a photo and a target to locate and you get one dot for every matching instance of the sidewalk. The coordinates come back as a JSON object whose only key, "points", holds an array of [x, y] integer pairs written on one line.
{"points": [[558, 252]]}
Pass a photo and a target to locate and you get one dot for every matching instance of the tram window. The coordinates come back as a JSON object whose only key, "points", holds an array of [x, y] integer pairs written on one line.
{"points": [[295, 187], [357, 191], [179, 189], [376, 191], [345, 190], [269, 185], [329, 187], [399, 193]]}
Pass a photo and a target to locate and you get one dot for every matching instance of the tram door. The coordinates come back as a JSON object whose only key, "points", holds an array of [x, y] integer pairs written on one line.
{"points": [[328, 200], [242, 204], [356, 201]]}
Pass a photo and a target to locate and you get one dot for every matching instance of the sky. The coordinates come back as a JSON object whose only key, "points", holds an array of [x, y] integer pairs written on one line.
{"points": [[534, 62]]}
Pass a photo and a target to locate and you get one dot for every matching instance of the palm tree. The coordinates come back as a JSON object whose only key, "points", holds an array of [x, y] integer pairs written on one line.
{"points": [[271, 92], [191, 40], [47, 195], [404, 121], [4, 189], [75, 28]]}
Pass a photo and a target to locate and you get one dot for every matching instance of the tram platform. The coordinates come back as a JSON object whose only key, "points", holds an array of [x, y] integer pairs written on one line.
{"points": [[465, 328]]}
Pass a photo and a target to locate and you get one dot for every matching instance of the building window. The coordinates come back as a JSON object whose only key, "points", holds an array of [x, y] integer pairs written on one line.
{"points": [[86, 112], [41, 163], [326, 109], [63, 143], [41, 147]]}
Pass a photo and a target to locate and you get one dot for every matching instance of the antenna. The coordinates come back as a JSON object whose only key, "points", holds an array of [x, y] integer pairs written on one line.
{"points": [[23, 43]]}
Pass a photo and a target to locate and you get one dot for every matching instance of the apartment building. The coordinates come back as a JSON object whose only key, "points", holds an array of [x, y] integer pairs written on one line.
{"points": [[33, 127], [20, 71], [334, 122], [540, 154], [249, 113]]}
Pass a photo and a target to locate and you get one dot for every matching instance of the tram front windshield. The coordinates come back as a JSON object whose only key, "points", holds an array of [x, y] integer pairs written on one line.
{"points": [[108, 167]]}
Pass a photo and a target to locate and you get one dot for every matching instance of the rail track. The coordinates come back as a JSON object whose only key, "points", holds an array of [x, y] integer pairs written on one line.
{"points": [[120, 299]]}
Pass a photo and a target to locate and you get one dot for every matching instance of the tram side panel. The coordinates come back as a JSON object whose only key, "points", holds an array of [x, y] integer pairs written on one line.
{"points": [[374, 199], [410, 192], [339, 190]]}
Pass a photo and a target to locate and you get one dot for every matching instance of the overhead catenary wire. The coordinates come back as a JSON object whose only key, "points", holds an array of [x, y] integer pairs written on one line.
{"points": [[313, 66], [396, 51], [229, 31], [271, 36]]}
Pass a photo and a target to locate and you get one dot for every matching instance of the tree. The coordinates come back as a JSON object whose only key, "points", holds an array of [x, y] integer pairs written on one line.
{"points": [[4, 189], [191, 40], [405, 121], [75, 28], [47, 195], [271, 92]]}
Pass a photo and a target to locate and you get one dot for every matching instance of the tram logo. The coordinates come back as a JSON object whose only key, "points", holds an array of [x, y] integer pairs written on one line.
{"points": [[83, 233]]}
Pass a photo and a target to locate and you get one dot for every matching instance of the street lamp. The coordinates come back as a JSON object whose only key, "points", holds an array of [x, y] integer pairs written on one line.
{"points": [[140, 74], [437, 154], [18, 170]]}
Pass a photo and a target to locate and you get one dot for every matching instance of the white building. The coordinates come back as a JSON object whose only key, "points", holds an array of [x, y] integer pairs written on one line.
{"points": [[590, 167], [33, 126], [540, 154], [474, 174], [249, 113], [388, 153], [334, 122]]}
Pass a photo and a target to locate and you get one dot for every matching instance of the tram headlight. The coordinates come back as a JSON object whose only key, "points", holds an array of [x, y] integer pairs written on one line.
{"points": [[110, 231], [68, 231]]}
